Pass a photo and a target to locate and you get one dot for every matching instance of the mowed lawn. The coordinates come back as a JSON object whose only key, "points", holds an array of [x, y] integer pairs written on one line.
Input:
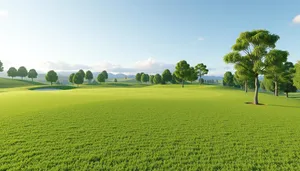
{"points": [[148, 128]]}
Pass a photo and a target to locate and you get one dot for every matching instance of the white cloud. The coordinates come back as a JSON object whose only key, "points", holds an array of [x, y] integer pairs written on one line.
{"points": [[200, 38], [296, 20], [3, 13], [150, 66]]}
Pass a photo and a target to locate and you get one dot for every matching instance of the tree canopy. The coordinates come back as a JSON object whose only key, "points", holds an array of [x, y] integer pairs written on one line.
{"points": [[82, 73], [249, 52], [145, 78], [182, 71], [201, 70], [296, 78], [228, 79], [22, 72], [32, 74], [1, 67], [71, 77], [101, 78], [138, 77], [78, 78], [89, 75], [51, 76], [12, 72], [193, 75], [105, 74], [166, 76], [157, 79]]}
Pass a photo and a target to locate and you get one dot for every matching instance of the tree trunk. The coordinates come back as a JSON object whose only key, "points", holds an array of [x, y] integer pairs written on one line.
{"points": [[246, 86], [182, 83], [287, 94], [276, 88], [256, 91]]}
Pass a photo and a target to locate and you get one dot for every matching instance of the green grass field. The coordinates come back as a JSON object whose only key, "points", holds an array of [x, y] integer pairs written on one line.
{"points": [[148, 128]]}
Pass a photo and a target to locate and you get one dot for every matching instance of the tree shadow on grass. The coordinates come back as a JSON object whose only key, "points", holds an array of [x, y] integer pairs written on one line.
{"points": [[284, 106], [275, 105], [251, 103]]}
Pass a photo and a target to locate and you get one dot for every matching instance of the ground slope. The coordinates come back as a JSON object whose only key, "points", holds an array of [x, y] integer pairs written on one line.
{"points": [[157, 127], [12, 83]]}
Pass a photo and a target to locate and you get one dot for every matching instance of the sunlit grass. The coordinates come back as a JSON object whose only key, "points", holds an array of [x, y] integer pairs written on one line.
{"points": [[154, 127]]}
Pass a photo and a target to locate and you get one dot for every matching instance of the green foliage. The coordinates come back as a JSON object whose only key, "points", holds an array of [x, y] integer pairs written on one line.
{"points": [[51, 77], [175, 79], [78, 78], [296, 78], [157, 79], [115, 80], [32, 74], [82, 73], [151, 79], [149, 128], [182, 71], [1, 67], [22, 72], [101, 78], [12, 72], [250, 51], [228, 79], [89, 75], [201, 71], [138, 77], [145, 78], [71, 77], [193, 75], [166, 76], [105, 74]]}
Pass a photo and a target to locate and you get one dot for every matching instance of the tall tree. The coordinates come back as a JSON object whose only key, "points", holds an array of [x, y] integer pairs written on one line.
{"points": [[243, 76], [296, 78], [166, 76], [175, 79], [228, 79], [71, 77], [138, 77], [151, 79], [274, 67], [182, 71], [51, 76], [22, 72], [193, 75], [78, 78], [251, 48], [288, 84], [115, 80], [32, 74], [82, 73], [201, 71], [101, 78], [12, 72], [157, 79], [105, 74], [145, 78], [89, 75], [1, 67]]}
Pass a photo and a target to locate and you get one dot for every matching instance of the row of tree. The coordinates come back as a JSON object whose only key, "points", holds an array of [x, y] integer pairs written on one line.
{"points": [[78, 78], [22, 72], [254, 55], [183, 72]]}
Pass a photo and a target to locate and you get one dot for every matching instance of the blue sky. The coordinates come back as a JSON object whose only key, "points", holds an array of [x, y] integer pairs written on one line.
{"points": [[137, 35]]}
